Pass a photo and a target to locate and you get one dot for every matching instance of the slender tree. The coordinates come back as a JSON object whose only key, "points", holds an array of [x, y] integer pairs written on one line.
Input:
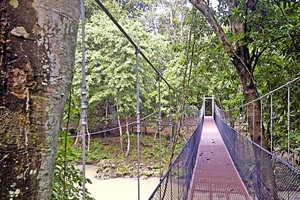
{"points": [[37, 52]]}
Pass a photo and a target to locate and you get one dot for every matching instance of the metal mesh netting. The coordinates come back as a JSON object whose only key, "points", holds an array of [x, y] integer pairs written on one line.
{"points": [[176, 182], [258, 166]]}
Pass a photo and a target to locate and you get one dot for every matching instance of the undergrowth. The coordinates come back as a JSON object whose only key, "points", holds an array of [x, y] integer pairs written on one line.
{"points": [[110, 148], [67, 182]]}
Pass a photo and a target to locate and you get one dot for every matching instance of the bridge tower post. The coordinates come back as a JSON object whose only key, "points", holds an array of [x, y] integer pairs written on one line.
{"points": [[208, 109]]}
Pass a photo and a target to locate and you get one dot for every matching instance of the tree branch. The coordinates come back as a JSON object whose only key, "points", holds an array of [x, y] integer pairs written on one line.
{"points": [[256, 56], [205, 10]]}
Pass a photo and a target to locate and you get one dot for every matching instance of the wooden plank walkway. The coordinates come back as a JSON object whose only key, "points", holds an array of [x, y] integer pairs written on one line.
{"points": [[215, 177]]}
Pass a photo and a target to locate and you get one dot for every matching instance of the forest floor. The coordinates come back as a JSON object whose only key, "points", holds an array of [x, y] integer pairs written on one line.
{"points": [[112, 162], [114, 175]]}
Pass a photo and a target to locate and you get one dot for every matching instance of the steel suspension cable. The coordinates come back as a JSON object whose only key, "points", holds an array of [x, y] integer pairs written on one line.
{"points": [[138, 122], [271, 121], [171, 119], [159, 128], [159, 132], [83, 95], [131, 41], [171, 133], [116, 128]]}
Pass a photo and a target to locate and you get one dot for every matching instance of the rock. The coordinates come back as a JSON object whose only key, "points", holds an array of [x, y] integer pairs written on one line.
{"points": [[107, 163], [106, 169], [148, 173], [149, 167]]}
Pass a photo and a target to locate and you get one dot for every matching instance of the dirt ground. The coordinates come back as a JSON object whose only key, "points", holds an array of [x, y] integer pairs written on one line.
{"points": [[119, 188]]}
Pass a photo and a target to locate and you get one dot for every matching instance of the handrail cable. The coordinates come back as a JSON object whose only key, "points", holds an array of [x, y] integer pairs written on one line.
{"points": [[116, 128], [267, 94], [255, 144]]}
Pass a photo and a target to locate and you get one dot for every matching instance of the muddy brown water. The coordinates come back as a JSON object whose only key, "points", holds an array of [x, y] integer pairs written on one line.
{"points": [[118, 188]]}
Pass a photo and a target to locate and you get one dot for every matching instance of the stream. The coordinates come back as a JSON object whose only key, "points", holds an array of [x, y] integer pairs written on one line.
{"points": [[119, 188]]}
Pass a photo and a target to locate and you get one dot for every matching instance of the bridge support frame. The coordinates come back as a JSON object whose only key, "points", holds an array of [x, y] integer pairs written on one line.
{"points": [[206, 105]]}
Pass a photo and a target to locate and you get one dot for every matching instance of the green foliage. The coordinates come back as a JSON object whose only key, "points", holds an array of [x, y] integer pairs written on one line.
{"points": [[72, 112], [67, 182], [272, 38], [280, 120], [111, 64]]}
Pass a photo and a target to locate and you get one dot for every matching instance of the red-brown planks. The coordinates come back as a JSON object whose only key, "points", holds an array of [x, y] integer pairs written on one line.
{"points": [[215, 177]]}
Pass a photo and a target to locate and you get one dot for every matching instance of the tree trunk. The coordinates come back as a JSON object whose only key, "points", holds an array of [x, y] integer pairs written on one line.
{"points": [[128, 139], [37, 53], [264, 169], [78, 140], [89, 136], [120, 130]]}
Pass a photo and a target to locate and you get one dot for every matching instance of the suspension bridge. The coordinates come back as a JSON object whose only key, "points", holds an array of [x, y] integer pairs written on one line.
{"points": [[219, 161]]}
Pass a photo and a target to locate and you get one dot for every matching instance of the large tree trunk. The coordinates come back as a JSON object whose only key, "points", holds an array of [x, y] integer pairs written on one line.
{"points": [[243, 63], [37, 50]]}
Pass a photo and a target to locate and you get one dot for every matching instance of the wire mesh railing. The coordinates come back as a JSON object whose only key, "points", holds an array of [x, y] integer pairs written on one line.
{"points": [[175, 183], [280, 125], [265, 175]]}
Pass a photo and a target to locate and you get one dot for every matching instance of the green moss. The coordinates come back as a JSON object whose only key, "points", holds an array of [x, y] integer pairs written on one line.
{"points": [[14, 3], [12, 129]]}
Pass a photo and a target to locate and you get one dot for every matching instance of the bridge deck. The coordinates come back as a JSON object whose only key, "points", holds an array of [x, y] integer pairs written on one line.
{"points": [[215, 177]]}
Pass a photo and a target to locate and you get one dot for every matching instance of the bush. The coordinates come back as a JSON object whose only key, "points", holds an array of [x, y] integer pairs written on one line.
{"points": [[67, 183]]}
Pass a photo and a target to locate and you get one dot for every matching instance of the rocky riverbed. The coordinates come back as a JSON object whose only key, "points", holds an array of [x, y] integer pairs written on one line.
{"points": [[108, 168]]}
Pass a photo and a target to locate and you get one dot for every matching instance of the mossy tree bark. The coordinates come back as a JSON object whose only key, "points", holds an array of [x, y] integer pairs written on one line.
{"points": [[37, 53]]}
